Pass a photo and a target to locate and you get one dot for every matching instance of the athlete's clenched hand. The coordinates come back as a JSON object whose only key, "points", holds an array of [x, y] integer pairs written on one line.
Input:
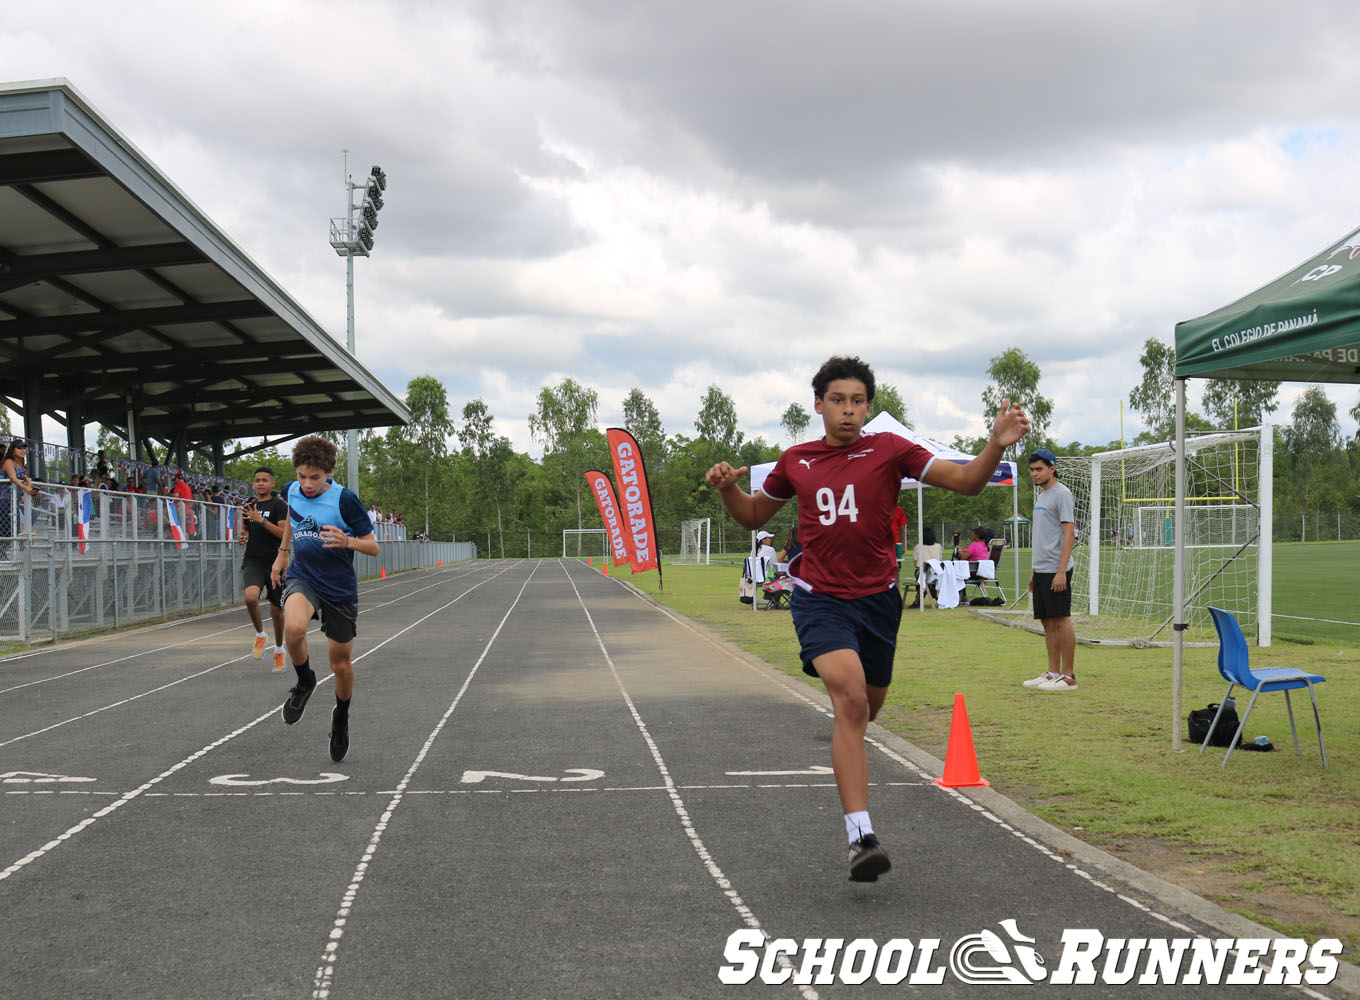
{"points": [[722, 476]]}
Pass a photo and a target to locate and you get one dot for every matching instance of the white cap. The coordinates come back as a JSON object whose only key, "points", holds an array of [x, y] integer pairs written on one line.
{"points": [[763, 534]]}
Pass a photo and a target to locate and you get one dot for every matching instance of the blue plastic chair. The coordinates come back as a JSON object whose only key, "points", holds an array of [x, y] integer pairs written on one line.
{"points": [[1236, 670]]}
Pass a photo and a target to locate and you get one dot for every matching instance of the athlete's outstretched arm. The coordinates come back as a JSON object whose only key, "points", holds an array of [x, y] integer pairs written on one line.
{"points": [[1010, 426], [748, 511]]}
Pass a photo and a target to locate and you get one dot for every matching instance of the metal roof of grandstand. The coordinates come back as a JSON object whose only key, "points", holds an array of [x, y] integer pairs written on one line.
{"points": [[118, 293]]}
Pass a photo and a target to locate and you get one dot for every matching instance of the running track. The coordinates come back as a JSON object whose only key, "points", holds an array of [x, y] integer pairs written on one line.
{"points": [[555, 788]]}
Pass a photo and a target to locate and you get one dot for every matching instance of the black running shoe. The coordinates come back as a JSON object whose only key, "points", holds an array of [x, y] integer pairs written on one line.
{"points": [[339, 735], [867, 859], [297, 700]]}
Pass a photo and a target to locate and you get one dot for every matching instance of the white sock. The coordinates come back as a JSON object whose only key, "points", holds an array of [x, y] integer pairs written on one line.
{"points": [[857, 825], [278, 649], [261, 635]]}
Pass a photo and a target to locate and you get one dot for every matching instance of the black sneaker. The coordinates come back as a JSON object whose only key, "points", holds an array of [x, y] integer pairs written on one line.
{"points": [[867, 860], [297, 700], [339, 735]]}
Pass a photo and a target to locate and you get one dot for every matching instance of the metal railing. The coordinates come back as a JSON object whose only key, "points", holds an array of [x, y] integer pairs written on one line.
{"points": [[142, 558]]}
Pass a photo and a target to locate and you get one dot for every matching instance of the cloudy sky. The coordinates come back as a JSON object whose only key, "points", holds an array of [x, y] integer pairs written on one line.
{"points": [[669, 195]]}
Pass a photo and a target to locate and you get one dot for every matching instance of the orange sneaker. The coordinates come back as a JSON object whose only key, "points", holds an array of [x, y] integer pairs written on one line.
{"points": [[258, 651], [279, 665]]}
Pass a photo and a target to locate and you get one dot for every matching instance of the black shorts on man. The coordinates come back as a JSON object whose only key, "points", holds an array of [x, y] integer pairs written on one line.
{"points": [[1048, 604], [339, 622], [256, 573], [868, 625]]}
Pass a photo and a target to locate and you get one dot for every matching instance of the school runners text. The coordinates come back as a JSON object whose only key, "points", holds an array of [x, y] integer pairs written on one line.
{"points": [[988, 957]]}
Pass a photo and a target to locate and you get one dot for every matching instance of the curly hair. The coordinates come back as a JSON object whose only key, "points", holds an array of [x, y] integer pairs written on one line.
{"points": [[316, 452], [843, 367]]}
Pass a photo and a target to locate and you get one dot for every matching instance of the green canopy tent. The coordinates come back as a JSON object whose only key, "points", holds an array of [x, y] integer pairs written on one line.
{"points": [[1302, 327], [1015, 522]]}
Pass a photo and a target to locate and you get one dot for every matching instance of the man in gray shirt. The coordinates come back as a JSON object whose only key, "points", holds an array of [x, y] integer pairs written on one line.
{"points": [[1050, 583]]}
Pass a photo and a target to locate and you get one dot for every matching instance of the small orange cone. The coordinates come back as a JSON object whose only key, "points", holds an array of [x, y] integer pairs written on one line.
{"points": [[590, 561], [960, 762], [604, 568], [438, 563], [383, 574]]}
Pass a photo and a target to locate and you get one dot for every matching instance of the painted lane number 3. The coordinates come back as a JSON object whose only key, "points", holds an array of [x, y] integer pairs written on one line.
{"points": [[830, 510]]}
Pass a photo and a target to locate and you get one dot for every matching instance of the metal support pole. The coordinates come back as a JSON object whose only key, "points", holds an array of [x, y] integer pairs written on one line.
{"points": [[133, 452], [1178, 573], [351, 435], [1265, 552], [113, 548], [1093, 540]]}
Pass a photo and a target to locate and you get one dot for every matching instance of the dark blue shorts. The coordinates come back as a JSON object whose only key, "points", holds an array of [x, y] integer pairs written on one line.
{"points": [[868, 625]]}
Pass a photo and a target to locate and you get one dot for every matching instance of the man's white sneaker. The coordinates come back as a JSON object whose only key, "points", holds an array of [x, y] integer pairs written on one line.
{"points": [[1043, 678], [1059, 683]]}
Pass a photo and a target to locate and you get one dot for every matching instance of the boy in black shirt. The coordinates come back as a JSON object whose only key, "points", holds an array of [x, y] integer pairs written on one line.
{"points": [[261, 530]]}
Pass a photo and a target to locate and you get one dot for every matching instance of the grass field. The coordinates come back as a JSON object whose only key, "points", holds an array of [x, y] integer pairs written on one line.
{"points": [[1273, 837]]}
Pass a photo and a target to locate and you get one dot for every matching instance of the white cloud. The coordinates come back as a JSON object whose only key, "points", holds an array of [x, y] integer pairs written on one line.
{"points": [[671, 195]]}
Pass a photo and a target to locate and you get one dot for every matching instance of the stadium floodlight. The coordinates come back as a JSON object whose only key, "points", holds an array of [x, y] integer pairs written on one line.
{"points": [[373, 193], [353, 237]]}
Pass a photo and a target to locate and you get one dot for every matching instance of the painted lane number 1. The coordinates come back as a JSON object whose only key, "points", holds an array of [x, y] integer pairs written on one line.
{"points": [[830, 510]]}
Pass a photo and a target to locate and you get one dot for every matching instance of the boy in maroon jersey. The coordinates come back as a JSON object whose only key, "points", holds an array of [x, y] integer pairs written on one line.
{"points": [[846, 608]]}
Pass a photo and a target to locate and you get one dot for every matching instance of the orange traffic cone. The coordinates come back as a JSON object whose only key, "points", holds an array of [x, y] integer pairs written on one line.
{"points": [[590, 561], [604, 568], [383, 574], [438, 563], [960, 762]]}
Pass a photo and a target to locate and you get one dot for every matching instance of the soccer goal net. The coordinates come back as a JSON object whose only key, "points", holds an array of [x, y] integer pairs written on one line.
{"points": [[695, 541], [1122, 587], [583, 543]]}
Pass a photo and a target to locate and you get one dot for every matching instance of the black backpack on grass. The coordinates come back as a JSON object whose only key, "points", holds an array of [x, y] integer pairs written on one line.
{"points": [[1200, 719]]}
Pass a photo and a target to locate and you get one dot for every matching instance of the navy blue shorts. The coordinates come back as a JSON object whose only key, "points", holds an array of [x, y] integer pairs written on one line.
{"points": [[868, 625]]}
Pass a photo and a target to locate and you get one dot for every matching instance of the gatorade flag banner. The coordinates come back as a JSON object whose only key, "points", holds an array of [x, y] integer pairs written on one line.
{"points": [[84, 511], [609, 514], [631, 475], [172, 519]]}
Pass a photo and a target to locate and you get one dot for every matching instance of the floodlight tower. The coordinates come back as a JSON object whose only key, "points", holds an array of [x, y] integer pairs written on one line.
{"points": [[353, 237]]}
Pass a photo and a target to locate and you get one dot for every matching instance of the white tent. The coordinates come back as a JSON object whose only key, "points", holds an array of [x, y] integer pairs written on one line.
{"points": [[1005, 474]]}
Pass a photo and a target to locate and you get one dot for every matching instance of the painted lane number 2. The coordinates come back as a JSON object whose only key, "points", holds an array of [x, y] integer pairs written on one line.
{"points": [[830, 510]]}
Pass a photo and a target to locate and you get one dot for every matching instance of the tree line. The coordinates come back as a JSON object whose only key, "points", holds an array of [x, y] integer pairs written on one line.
{"points": [[452, 475]]}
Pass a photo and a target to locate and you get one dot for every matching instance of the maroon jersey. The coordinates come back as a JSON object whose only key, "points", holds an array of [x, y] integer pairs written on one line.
{"points": [[846, 498]]}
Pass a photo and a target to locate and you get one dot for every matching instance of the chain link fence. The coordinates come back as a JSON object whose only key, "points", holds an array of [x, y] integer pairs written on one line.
{"points": [[1317, 526], [75, 560]]}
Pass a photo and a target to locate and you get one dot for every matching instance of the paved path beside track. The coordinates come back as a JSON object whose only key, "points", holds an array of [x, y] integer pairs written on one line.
{"points": [[555, 788]]}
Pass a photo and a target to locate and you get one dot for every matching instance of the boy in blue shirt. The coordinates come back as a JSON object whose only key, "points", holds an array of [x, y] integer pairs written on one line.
{"points": [[326, 525]]}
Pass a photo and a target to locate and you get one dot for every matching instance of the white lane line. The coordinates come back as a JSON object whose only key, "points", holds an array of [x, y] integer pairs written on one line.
{"points": [[174, 769], [120, 659], [127, 797], [157, 649], [118, 704], [208, 670], [1020, 835], [325, 973], [678, 803]]}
